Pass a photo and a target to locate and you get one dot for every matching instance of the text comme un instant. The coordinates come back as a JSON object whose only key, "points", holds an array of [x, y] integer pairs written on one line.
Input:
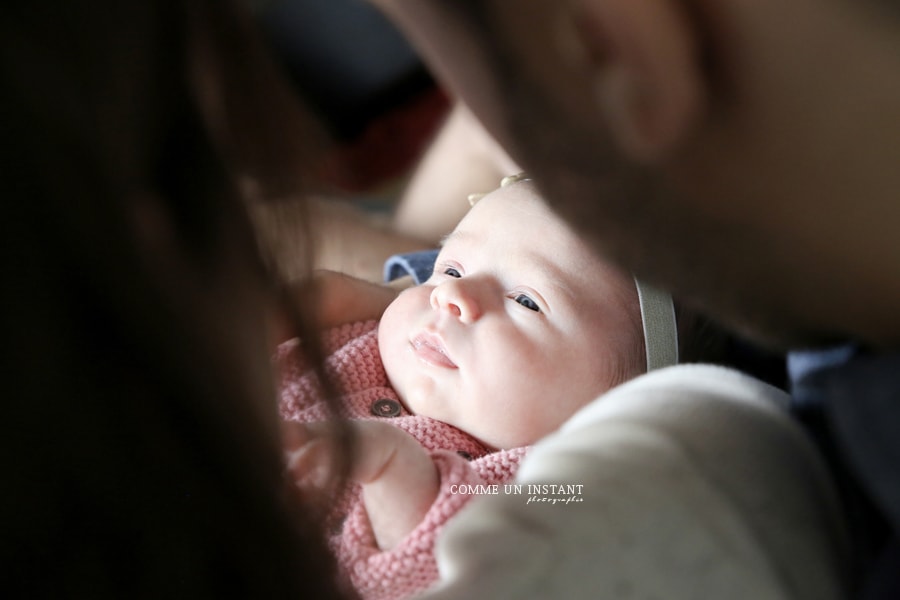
{"points": [[552, 489]]}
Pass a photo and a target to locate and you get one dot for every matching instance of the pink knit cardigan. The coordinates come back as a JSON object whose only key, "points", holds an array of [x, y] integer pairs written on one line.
{"points": [[354, 364]]}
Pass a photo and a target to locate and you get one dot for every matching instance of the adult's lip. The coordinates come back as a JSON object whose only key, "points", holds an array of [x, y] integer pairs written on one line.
{"points": [[430, 348]]}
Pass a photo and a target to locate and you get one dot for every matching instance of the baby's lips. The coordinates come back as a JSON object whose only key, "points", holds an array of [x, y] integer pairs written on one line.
{"points": [[431, 349]]}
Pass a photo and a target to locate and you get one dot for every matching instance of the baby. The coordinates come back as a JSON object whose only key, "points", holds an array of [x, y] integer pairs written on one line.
{"points": [[518, 327]]}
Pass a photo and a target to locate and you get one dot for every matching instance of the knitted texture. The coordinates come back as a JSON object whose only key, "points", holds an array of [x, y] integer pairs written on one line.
{"points": [[354, 365]]}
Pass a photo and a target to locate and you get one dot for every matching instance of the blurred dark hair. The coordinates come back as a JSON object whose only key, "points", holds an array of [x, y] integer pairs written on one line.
{"points": [[702, 339], [141, 455]]}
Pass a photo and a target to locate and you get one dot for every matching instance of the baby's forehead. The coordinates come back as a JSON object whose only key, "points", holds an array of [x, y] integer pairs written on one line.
{"points": [[518, 215], [523, 192], [517, 220], [514, 205]]}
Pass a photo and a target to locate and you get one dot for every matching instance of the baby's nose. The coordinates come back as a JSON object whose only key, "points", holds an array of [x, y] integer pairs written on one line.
{"points": [[458, 297]]}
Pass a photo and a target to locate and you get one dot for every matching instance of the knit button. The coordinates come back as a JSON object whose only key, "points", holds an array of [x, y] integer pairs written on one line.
{"points": [[386, 407]]}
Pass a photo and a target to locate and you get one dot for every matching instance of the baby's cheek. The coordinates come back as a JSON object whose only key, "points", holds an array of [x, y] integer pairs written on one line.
{"points": [[394, 368], [388, 348]]}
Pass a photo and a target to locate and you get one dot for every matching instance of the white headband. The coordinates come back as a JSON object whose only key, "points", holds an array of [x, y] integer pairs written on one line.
{"points": [[660, 331]]}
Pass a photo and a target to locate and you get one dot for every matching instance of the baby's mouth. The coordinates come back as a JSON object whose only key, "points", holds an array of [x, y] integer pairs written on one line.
{"points": [[430, 349]]}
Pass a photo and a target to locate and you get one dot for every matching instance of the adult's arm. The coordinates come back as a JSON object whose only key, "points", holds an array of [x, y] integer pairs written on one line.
{"points": [[463, 159], [695, 485]]}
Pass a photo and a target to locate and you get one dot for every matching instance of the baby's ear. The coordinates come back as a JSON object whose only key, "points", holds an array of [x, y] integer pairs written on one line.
{"points": [[645, 61]]}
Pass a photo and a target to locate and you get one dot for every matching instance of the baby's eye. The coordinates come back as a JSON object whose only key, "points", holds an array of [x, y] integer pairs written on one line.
{"points": [[527, 302], [452, 272]]}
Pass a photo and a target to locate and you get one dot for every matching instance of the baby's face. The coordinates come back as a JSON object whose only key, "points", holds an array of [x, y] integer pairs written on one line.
{"points": [[518, 327]]}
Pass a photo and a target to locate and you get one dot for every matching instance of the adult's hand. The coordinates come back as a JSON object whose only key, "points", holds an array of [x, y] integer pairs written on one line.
{"points": [[337, 299], [399, 480]]}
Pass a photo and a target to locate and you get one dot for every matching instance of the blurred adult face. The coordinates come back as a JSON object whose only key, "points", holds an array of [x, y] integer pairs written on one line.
{"points": [[772, 211]]}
